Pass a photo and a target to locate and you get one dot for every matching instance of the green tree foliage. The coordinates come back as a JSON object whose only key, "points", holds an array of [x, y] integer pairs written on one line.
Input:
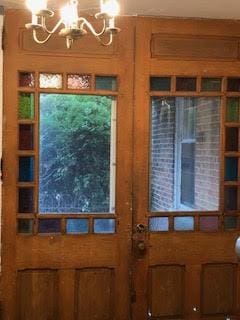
{"points": [[74, 152]]}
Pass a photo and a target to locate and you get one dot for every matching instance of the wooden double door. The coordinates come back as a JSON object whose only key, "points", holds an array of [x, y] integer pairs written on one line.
{"points": [[135, 241]]}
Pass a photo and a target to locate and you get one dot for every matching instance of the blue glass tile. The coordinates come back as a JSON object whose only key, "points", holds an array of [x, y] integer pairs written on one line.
{"points": [[77, 226], [26, 169], [159, 224], [49, 226], [183, 223], [104, 225], [231, 169]]}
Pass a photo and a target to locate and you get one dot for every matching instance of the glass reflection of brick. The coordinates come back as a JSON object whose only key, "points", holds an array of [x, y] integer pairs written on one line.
{"points": [[76, 81]]}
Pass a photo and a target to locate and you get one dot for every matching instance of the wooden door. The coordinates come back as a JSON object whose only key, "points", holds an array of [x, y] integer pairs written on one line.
{"points": [[66, 260], [185, 266]]}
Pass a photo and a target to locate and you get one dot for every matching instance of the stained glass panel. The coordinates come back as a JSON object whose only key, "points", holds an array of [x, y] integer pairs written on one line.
{"points": [[208, 223], [159, 224], [25, 200], [26, 169], [230, 222], [232, 139], [184, 223], [106, 83], [104, 225], [160, 83], [233, 84], [77, 226], [231, 196], [25, 226], [26, 105], [77, 81], [50, 81], [186, 84], [26, 79], [49, 225], [211, 84], [232, 114], [26, 137], [231, 169]]}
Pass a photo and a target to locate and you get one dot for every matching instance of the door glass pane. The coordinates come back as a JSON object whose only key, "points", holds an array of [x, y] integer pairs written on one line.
{"points": [[184, 172], [26, 169], [232, 114], [26, 105], [160, 83], [77, 153]]}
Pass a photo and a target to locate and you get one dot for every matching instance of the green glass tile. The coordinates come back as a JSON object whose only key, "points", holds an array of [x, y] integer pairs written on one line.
{"points": [[232, 110], [230, 223], [25, 226], [211, 84], [26, 105], [108, 83], [231, 169]]}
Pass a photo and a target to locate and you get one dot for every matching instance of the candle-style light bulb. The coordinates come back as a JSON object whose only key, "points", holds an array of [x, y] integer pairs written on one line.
{"points": [[36, 5], [69, 14], [110, 7]]}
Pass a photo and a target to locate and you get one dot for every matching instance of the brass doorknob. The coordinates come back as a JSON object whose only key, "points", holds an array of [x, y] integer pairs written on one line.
{"points": [[141, 246]]}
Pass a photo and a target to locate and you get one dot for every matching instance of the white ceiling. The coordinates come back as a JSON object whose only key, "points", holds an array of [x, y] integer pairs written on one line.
{"points": [[222, 9]]}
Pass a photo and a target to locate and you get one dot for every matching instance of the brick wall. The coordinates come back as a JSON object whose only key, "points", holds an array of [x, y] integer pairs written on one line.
{"points": [[207, 154], [163, 141]]}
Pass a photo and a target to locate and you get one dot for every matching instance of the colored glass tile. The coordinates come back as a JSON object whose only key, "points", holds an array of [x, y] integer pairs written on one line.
{"points": [[49, 225], [26, 136], [104, 226], [26, 79], [211, 84], [159, 224], [230, 222], [160, 83], [186, 84], [233, 84], [26, 169], [25, 226], [77, 226], [26, 105], [232, 114], [77, 81], [231, 196], [231, 169], [232, 140], [25, 200], [208, 223], [183, 223], [50, 81], [106, 83]]}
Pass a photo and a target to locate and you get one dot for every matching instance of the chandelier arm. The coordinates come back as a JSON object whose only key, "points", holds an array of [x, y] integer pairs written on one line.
{"points": [[54, 28], [106, 43], [40, 41], [90, 27]]}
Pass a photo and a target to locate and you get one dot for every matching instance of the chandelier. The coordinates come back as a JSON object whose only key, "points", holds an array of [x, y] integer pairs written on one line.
{"points": [[70, 25]]}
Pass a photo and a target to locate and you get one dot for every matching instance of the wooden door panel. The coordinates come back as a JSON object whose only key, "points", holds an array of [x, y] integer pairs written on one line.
{"points": [[218, 289], [37, 294], [166, 290], [95, 294]]}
